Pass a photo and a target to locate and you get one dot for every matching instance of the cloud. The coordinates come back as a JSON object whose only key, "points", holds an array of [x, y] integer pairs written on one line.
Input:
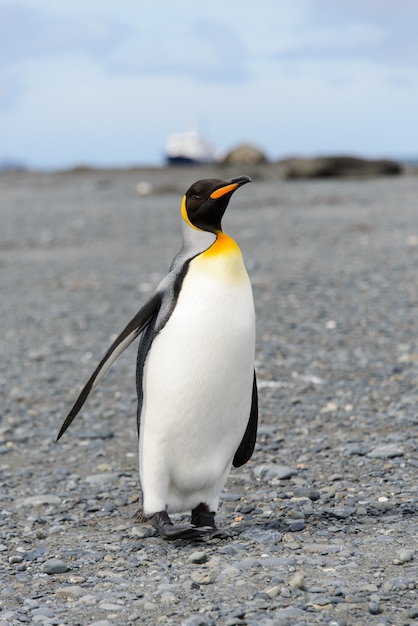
{"points": [[382, 33], [204, 50], [10, 90], [28, 33], [199, 49]]}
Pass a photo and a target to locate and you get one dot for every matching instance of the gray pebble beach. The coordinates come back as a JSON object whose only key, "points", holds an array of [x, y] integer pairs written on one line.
{"points": [[323, 519]]}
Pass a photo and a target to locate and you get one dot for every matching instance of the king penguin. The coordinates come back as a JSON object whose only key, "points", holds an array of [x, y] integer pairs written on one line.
{"points": [[196, 383]]}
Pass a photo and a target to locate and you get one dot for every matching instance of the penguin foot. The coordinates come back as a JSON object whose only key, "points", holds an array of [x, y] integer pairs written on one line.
{"points": [[166, 529], [214, 533], [139, 517], [204, 520]]}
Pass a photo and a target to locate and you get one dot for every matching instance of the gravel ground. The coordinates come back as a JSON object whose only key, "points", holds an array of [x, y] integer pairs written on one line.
{"points": [[323, 520]]}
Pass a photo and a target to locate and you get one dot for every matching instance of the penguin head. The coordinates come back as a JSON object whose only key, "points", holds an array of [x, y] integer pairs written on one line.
{"points": [[204, 204]]}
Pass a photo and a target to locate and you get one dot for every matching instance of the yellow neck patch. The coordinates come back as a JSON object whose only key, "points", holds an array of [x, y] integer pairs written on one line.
{"points": [[223, 245], [222, 262]]}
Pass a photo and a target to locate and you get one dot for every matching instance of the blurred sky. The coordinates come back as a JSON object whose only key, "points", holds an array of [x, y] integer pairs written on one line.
{"points": [[104, 82]]}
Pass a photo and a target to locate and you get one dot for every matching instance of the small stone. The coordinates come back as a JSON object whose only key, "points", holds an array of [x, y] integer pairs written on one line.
{"points": [[96, 434], [388, 451], [46, 498], [383, 505], [202, 578], [374, 608], [355, 449], [289, 612], [307, 492], [54, 566], [198, 620], [234, 621], [316, 589], [369, 588], [262, 595], [230, 572], [98, 479], [43, 612], [70, 591], [296, 525], [110, 606], [230, 497], [198, 557], [168, 597], [396, 584], [15, 559], [297, 581], [403, 556], [142, 532], [32, 604], [273, 591], [271, 470], [340, 512]]}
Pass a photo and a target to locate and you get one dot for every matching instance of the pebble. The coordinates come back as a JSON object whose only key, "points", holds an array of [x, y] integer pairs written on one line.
{"points": [[70, 591], [307, 492], [403, 556], [104, 478], [274, 591], [108, 606], [198, 620], [297, 581], [387, 451], [47, 498], [54, 566], [288, 613], [374, 608], [202, 578], [198, 557], [296, 525], [234, 621], [355, 449], [272, 470]]}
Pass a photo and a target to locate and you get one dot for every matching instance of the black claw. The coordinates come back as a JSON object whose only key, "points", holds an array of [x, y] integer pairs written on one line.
{"points": [[214, 533], [180, 532]]}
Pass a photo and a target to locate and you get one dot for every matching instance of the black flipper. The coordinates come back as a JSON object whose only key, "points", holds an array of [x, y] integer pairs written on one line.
{"points": [[126, 337], [246, 447]]}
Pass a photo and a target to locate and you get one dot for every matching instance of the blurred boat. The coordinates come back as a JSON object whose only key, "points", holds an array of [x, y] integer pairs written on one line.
{"points": [[188, 148]]}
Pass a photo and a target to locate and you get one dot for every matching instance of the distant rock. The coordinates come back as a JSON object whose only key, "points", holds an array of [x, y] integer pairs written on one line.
{"points": [[386, 451], [245, 154], [10, 165], [328, 167]]}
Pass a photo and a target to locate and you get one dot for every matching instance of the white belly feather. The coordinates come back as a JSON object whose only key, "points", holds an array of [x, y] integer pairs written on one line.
{"points": [[197, 388]]}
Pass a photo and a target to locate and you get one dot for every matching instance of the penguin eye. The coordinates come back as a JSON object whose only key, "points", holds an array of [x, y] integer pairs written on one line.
{"points": [[198, 196]]}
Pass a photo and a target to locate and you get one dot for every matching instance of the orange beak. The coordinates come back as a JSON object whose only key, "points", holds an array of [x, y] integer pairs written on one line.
{"points": [[222, 191]]}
